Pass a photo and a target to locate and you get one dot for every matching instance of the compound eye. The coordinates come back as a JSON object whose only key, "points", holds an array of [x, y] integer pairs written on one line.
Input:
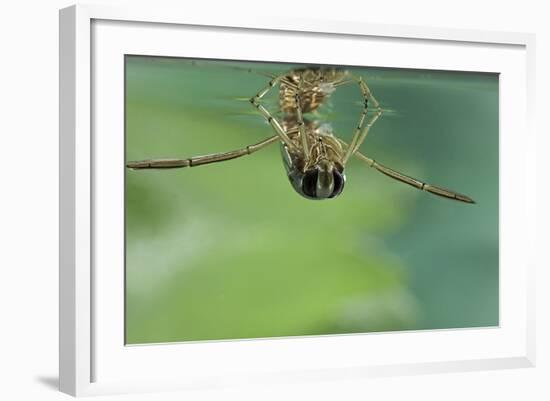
{"points": [[339, 182], [309, 183]]}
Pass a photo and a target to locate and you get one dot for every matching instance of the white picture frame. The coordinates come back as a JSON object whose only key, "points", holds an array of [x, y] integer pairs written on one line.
{"points": [[93, 358]]}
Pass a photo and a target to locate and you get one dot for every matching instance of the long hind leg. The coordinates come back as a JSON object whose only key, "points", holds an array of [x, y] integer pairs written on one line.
{"points": [[396, 175], [200, 160]]}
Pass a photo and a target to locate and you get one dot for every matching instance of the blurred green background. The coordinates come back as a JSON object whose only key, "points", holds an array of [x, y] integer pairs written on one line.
{"points": [[229, 250]]}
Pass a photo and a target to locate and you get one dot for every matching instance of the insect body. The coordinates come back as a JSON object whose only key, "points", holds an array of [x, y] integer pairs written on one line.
{"points": [[314, 85], [322, 175], [314, 158]]}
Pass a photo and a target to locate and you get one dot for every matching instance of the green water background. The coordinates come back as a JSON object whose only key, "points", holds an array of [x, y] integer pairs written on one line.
{"points": [[229, 250]]}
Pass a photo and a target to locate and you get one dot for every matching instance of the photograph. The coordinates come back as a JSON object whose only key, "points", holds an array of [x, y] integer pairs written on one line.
{"points": [[270, 199]]}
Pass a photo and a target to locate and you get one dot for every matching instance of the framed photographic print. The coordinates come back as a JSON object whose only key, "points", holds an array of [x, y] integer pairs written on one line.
{"points": [[257, 200]]}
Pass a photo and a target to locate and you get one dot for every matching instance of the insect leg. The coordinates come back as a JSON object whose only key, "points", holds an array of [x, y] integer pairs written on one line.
{"points": [[270, 119], [365, 90], [301, 128], [360, 133], [396, 175], [200, 160]]}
